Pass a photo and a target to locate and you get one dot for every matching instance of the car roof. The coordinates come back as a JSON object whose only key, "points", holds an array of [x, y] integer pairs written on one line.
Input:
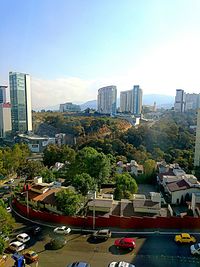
{"points": [[31, 252], [128, 239], [16, 243], [185, 235], [124, 264], [103, 230], [79, 264], [23, 235]]}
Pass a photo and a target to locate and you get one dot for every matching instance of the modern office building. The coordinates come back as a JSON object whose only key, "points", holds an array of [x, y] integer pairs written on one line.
{"points": [[137, 100], [3, 93], [179, 105], [5, 119], [107, 100], [20, 98], [69, 107], [131, 101], [197, 142]]}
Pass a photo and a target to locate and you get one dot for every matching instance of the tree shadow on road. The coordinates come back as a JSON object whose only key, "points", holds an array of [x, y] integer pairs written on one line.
{"points": [[117, 251]]}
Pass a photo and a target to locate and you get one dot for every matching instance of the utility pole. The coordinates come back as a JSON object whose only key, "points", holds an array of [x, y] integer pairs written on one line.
{"points": [[93, 223], [27, 204]]}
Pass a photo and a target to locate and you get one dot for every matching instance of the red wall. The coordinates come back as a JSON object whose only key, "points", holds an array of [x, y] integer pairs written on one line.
{"points": [[112, 221]]}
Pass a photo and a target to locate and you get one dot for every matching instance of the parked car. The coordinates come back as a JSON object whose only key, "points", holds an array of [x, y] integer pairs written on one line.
{"points": [[195, 249], [79, 264], [16, 246], [184, 238], [31, 256], [35, 230], [120, 264], [8, 209], [125, 242], [102, 234], [10, 181], [56, 243], [62, 230], [23, 237]]}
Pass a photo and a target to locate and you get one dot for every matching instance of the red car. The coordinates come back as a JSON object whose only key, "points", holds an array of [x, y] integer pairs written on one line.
{"points": [[125, 242]]}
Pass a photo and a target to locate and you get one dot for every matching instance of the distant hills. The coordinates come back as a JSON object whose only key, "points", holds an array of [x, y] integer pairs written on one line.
{"points": [[165, 101]]}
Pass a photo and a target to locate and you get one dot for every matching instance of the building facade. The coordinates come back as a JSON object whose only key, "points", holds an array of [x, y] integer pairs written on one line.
{"points": [[5, 119], [107, 100], [197, 142], [69, 107], [137, 100], [131, 101], [192, 102], [3, 93], [20, 97], [179, 105]]}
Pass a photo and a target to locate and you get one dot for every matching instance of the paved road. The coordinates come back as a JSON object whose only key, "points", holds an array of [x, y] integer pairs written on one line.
{"points": [[152, 251]]}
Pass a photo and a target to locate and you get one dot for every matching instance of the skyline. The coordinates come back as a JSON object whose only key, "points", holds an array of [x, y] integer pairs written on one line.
{"points": [[73, 49]]}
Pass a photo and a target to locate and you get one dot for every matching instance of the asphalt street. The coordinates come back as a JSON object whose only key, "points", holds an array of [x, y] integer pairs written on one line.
{"points": [[152, 251]]}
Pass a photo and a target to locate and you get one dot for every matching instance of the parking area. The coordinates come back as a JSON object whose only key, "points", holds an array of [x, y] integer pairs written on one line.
{"points": [[151, 250]]}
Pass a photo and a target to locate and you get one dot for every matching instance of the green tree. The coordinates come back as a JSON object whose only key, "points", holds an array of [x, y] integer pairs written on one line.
{"points": [[54, 153], [68, 201], [31, 168], [125, 186], [48, 175], [2, 246], [96, 164], [83, 183]]}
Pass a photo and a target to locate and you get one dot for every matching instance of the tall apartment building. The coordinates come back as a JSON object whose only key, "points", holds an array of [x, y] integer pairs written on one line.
{"points": [[5, 119], [131, 100], [192, 101], [179, 104], [137, 100], [107, 100], [197, 142], [126, 101], [20, 98], [3, 93]]}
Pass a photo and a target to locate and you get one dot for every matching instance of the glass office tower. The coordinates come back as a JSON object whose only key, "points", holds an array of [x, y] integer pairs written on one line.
{"points": [[20, 98]]}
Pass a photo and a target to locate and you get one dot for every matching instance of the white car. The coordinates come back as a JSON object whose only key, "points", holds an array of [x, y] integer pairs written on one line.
{"points": [[62, 230], [16, 246], [195, 249], [120, 264], [23, 237], [8, 209]]}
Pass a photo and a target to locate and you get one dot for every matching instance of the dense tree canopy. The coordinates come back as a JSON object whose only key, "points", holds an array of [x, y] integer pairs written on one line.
{"points": [[125, 186], [68, 201], [83, 183], [54, 153]]}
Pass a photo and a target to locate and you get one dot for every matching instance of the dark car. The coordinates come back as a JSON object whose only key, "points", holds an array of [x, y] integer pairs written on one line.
{"points": [[56, 243], [102, 234], [79, 264], [35, 230]]}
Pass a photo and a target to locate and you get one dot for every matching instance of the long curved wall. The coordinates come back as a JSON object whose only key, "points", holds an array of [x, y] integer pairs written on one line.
{"points": [[111, 221]]}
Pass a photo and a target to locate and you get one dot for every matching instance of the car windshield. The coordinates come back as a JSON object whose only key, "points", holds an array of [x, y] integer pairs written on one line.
{"points": [[197, 246], [33, 254]]}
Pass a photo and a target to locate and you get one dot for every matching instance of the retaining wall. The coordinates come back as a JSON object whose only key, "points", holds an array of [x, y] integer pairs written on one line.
{"points": [[111, 221]]}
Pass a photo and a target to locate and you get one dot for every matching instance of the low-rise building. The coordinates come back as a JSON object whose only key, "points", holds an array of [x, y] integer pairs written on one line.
{"points": [[133, 167], [36, 143]]}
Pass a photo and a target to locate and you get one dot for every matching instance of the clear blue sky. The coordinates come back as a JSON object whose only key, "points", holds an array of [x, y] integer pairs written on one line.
{"points": [[87, 43]]}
